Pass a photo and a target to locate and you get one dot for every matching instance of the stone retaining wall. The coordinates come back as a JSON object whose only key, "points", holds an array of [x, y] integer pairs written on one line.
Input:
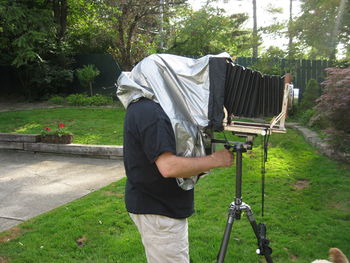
{"points": [[31, 142]]}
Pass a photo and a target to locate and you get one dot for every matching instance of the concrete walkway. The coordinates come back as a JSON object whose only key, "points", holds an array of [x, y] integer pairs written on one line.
{"points": [[31, 184]]}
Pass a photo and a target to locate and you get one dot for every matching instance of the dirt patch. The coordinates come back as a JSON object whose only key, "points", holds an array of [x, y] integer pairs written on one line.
{"points": [[301, 184], [293, 257], [3, 260], [12, 234], [343, 206], [81, 241]]}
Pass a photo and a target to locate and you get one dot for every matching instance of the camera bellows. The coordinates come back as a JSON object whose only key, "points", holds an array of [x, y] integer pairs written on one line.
{"points": [[248, 93]]}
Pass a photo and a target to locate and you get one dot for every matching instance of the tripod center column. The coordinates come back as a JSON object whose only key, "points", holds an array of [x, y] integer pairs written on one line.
{"points": [[239, 150]]}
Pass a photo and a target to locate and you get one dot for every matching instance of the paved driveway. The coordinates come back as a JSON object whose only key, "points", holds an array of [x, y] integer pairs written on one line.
{"points": [[31, 184]]}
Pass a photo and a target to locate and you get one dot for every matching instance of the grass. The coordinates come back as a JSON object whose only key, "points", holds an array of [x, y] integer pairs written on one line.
{"points": [[103, 126], [307, 211]]}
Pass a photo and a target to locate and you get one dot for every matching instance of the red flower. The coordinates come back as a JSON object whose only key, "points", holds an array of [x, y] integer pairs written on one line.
{"points": [[47, 129], [61, 125]]}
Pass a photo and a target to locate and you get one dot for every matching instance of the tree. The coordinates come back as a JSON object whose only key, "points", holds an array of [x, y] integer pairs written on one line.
{"points": [[90, 26], [86, 76], [207, 31], [137, 25], [270, 61], [322, 25], [28, 43]]}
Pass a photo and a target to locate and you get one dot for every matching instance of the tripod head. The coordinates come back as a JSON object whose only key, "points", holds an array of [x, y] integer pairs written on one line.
{"points": [[237, 145]]}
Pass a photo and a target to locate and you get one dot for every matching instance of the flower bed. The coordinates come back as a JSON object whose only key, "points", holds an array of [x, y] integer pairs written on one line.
{"points": [[59, 135], [54, 138]]}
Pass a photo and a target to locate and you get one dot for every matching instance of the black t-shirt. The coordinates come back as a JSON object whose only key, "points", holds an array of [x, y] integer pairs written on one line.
{"points": [[147, 134]]}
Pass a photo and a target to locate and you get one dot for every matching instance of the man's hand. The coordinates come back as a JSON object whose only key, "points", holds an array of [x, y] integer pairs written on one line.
{"points": [[223, 158]]}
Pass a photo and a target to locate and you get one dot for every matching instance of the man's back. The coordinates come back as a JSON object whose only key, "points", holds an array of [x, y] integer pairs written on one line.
{"points": [[147, 134]]}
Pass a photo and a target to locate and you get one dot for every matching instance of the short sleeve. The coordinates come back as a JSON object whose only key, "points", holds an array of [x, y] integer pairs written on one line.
{"points": [[157, 138]]}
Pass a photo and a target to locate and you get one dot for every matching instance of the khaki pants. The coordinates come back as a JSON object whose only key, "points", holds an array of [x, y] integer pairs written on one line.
{"points": [[165, 239]]}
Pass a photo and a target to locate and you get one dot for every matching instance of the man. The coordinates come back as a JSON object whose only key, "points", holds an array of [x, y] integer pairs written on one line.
{"points": [[157, 205]]}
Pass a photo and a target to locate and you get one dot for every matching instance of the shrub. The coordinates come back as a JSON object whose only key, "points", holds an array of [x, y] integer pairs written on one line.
{"points": [[78, 100], [306, 116], [59, 100], [333, 107], [310, 95], [100, 100], [84, 100], [86, 76]]}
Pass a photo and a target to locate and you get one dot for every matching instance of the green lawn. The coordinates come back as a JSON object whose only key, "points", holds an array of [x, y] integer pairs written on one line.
{"points": [[307, 211], [102, 126]]}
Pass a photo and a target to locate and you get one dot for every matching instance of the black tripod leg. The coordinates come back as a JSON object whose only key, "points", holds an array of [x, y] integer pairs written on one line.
{"points": [[260, 233], [227, 233]]}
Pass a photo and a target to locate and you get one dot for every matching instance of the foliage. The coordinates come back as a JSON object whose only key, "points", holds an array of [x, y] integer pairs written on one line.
{"points": [[56, 99], [86, 76], [333, 107], [49, 77], [305, 115], [208, 31], [90, 26], [78, 100], [26, 29], [270, 62], [84, 100], [29, 42], [321, 16], [137, 25], [310, 95], [342, 63], [60, 130], [100, 100]]}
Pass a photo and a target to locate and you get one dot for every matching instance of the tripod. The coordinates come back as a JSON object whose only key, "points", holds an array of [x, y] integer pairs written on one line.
{"points": [[237, 206]]}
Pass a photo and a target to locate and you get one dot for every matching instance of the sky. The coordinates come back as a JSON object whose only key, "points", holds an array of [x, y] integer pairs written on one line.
{"points": [[263, 17]]}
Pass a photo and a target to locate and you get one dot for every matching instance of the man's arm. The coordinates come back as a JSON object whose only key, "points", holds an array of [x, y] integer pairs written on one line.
{"points": [[170, 165]]}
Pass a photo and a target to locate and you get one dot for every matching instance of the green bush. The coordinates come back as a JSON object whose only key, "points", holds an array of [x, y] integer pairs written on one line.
{"points": [[59, 100], [78, 100], [100, 100], [83, 100], [310, 95], [306, 115]]}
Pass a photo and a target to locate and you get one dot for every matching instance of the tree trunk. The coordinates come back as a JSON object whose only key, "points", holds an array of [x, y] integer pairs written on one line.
{"points": [[334, 35], [290, 34], [255, 31], [60, 12], [161, 28], [90, 85]]}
